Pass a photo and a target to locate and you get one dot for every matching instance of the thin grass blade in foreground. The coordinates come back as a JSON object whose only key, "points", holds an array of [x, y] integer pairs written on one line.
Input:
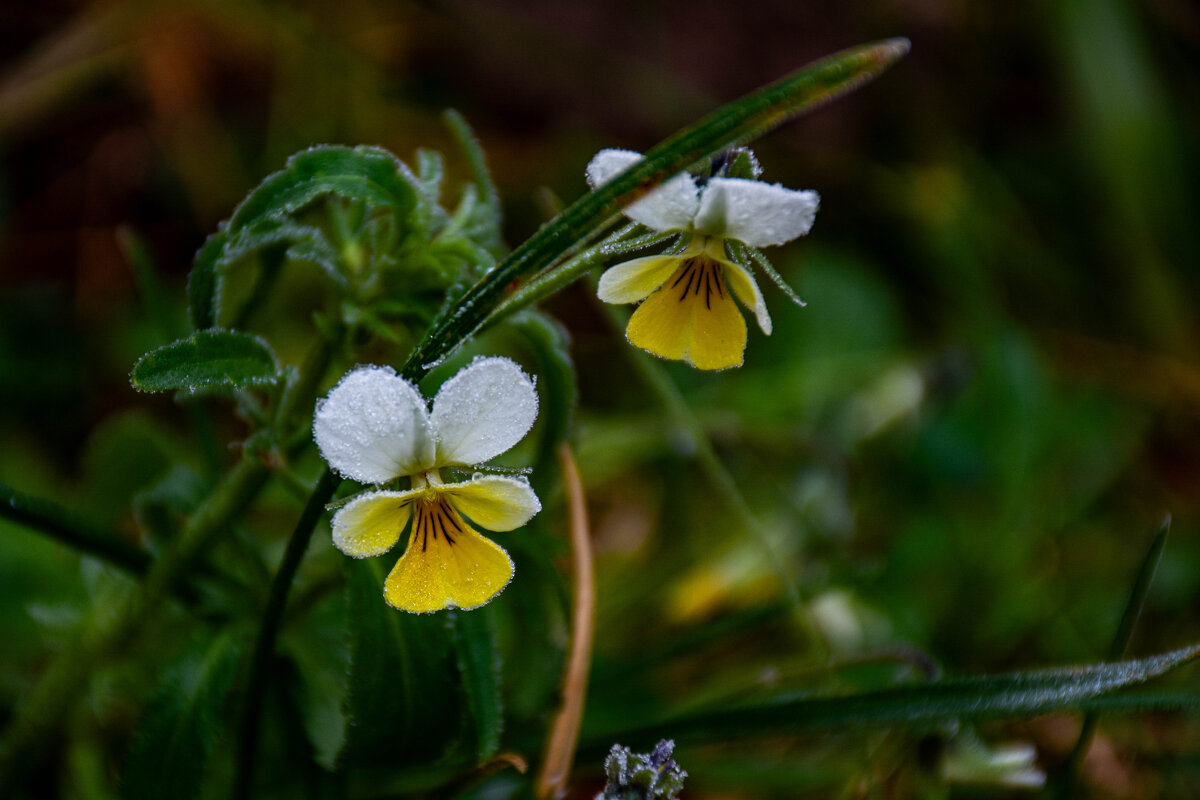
{"points": [[736, 123], [1016, 694]]}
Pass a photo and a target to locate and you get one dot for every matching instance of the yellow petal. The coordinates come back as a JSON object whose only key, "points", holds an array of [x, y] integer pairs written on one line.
{"points": [[634, 280], [746, 289], [692, 318], [371, 524], [494, 502], [447, 564]]}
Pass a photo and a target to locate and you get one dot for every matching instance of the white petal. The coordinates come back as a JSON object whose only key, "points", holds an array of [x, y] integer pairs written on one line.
{"points": [[482, 411], [374, 427], [633, 281], [494, 502], [746, 289], [759, 214], [670, 207]]}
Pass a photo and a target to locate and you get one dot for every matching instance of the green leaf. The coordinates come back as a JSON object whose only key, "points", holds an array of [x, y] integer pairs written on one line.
{"points": [[182, 722], [401, 704], [202, 280], [474, 638], [207, 359], [369, 174], [1017, 694], [736, 123], [484, 226]]}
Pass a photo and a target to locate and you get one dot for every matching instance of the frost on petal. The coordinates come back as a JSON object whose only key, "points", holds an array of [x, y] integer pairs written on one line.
{"points": [[374, 427], [759, 214], [494, 502], [606, 164], [482, 411], [746, 289], [371, 524], [670, 207], [633, 281]]}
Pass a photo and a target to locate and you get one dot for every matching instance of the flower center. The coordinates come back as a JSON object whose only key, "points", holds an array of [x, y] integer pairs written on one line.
{"points": [[700, 275], [433, 518]]}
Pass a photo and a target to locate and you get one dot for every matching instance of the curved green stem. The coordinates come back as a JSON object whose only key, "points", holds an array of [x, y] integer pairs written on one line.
{"points": [[72, 530], [735, 123], [660, 383], [264, 644]]}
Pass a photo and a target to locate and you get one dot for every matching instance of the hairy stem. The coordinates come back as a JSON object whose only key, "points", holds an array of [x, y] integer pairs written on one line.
{"points": [[72, 530], [264, 644]]}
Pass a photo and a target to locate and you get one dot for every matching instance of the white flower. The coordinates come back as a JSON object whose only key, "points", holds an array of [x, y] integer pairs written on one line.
{"points": [[375, 427], [689, 313]]}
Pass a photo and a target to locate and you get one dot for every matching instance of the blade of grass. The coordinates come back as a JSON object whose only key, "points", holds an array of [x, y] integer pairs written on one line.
{"points": [[1120, 645], [1012, 695], [735, 123]]}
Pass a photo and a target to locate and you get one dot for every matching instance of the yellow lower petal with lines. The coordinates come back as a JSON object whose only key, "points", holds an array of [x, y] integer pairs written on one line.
{"points": [[692, 318], [447, 564]]}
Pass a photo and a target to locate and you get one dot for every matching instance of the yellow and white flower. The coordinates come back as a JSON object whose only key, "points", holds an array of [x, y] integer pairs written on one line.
{"points": [[687, 310], [375, 427]]}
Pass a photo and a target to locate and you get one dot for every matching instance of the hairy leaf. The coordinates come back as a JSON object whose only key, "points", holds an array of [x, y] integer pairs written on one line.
{"points": [[400, 700], [207, 358], [369, 174], [479, 669]]}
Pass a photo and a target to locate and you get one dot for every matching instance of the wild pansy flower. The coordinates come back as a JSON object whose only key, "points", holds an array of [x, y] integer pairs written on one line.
{"points": [[375, 427], [687, 311]]}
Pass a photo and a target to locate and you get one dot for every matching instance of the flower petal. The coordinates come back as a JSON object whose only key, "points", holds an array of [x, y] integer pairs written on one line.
{"points": [[374, 427], [742, 282], [447, 565], [482, 411], [494, 502], [759, 214], [634, 280], [692, 318], [670, 207], [371, 524]]}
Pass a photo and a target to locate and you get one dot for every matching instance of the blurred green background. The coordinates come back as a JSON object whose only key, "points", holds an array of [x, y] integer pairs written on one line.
{"points": [[962, 445]]}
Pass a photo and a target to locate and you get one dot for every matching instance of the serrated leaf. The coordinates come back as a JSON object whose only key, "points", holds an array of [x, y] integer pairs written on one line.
{"points": [[369, 174], [181, 723], [400, 702], [474, 636], [1017, 694], [210, 358]]}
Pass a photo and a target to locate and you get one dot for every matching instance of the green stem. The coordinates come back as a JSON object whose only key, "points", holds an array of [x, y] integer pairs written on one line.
{"points": [[72, 530], [264, 644], [661, 385], [732, 124]]}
